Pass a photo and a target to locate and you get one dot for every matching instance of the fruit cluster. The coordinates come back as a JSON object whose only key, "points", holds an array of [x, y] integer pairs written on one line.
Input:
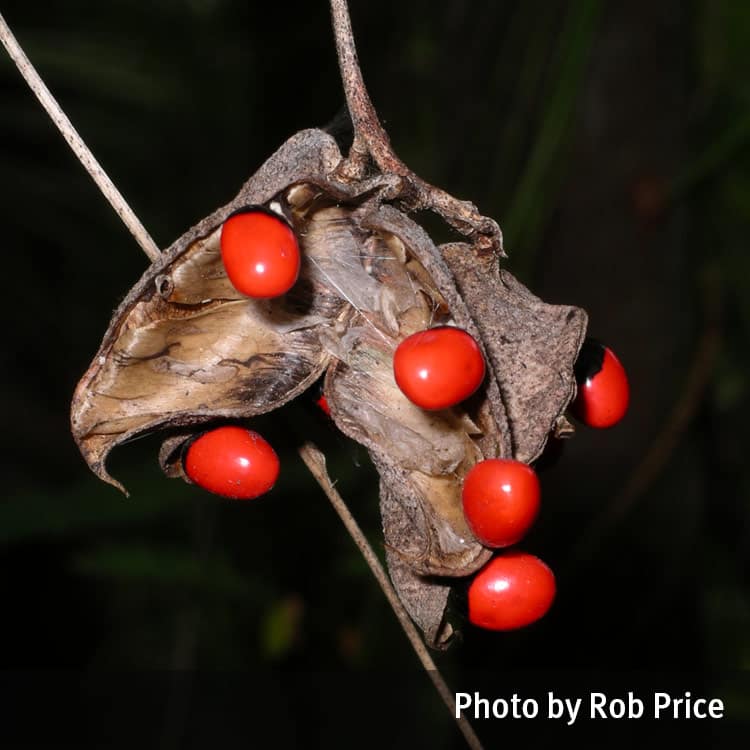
{"points": [[435, 369]]}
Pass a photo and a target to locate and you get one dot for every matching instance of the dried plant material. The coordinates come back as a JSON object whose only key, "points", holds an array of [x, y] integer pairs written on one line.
{"points": [[185, 348], [532, 346], [425, 599]]}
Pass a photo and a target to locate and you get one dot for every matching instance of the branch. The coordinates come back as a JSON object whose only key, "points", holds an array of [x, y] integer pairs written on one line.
{"points": [[316, 463], [80, 149], [370, 137], [363, 114]]}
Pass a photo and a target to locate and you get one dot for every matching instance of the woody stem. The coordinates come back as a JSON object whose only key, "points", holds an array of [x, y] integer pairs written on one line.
{"points": [[368, 132], [364, 117]]}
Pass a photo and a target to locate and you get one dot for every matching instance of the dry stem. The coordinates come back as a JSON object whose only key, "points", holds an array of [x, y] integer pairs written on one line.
{"points": [[316, 463], [80, 149], [370, 135]]}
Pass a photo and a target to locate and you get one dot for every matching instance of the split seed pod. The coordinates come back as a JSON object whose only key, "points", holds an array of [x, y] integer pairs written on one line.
{"points": [[185, 348]]}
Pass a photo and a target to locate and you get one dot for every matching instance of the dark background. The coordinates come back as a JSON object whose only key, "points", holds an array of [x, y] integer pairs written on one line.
{"points": [[610, 140]]}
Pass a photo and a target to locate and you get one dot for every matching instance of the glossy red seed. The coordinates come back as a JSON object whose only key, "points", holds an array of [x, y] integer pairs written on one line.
{"points": [[513, 590], [438, 368], [603, 388], [260, 253], [232, 462], [500, 500]]}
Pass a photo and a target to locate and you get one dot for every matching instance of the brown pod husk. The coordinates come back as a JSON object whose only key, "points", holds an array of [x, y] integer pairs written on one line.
{"points": [[185, 348]]}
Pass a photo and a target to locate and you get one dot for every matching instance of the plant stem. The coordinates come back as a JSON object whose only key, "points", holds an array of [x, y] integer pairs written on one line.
{"points": [[316, 463], [369, 133], [363, 114], [80, 149]]}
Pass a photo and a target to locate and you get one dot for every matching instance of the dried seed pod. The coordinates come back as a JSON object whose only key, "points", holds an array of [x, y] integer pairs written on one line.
{"points": [[185, 348]]}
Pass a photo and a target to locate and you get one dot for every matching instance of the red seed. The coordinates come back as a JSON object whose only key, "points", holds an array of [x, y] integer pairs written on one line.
{"points": [[603, 388], [232, 462], [513, 590], [438, 368], [500, 501], [260, 253]]}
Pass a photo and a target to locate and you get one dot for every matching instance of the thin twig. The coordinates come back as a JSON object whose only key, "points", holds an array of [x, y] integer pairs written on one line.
{"points": [[80, 149], [364, 117], [316, 463], [368, 132]]}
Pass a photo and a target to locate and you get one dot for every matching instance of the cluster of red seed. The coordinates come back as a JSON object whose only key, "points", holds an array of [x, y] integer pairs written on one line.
{"points": [[435, 369], [439, 368]]}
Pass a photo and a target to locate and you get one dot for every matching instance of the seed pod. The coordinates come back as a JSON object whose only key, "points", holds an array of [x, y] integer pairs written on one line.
{"points": [[185, 348]]}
